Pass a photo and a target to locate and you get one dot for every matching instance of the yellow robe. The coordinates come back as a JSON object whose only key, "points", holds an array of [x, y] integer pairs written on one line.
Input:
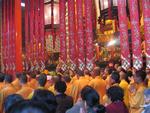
{"points": [[77, 86], [33, 83], [88, 77], [25, 91], [124, 85], [99, 85], [136, 99], [16, 84], [68, 90]]}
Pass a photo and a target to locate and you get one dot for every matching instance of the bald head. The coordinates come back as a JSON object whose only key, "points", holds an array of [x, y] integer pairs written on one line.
{"points": [[96, 71]]}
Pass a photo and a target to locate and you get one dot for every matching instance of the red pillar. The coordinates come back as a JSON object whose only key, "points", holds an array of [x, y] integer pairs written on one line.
{"points": [[72, 33], [89, 35], [123, 25], [18, 34], [136, 39], [146, 14], [80, 35]]}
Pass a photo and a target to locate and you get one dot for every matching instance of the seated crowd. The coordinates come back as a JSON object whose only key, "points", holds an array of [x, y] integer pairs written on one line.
{"points": [[109, 90]]}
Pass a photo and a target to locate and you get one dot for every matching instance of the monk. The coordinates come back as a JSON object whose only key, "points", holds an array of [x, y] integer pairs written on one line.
{"points": [[25, 89], [8, 89], [1, 80], [124, 85], [33, 82], [98, 83], [136, 92], [87, 75], [78, 85], [41, 84], [67, 80], [16, 82]]}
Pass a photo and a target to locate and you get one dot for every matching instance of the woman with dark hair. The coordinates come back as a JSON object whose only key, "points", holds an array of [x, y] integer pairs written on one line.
{"points": [[89, 102], [116, 94]]}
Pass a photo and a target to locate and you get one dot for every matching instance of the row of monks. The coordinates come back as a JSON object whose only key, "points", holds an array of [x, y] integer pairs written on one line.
{"points": [[132, 84]]}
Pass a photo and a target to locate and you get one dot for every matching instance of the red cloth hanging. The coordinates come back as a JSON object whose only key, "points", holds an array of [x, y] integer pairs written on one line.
{"points": [[146, 14], [136, 39], [63, 48], [89, 35], [80, 35], [72, 33], [123, 25]]}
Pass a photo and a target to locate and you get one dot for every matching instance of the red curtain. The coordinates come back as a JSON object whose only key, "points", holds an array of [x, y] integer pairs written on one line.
{"points": [[136, 39], [72, 33], [89, 35], [146, 14], [123, 25]]}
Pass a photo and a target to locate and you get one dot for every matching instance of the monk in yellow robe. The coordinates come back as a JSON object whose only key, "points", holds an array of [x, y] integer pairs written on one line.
{"points": [[98, 83], [124, 85], [1, 81], [114, 81], [41, 84], [87, 75], [16, 82], [67, 80], [33, 82], [8, 89], [25, 89], [78, 85], [136, 92]]}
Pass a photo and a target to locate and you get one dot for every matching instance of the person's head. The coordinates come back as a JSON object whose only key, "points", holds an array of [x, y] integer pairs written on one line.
{"points": [[67, 78], [97, 71], [47, 97], [42, 79], [130, 75], [2, 76], [116, 66], [114, 78], [115, 93], [119, 68], [30, 106], [147, 96], [123, 75], [23, 79], [90, 96], [18, 75], [8, 78], [10, 100], [60, 86], [140, 76], [33, 75], [86, 72]]}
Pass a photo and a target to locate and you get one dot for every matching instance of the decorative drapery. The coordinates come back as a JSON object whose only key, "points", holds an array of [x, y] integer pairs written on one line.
{"points": [[80, 35], [146, 14], [136, 39], [72, 33], [63, 49], [11, 36], [123, 26], [89, 35]]}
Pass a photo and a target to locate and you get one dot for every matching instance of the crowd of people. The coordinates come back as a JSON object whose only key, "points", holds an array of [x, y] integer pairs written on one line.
{"points": [[108, 90]]}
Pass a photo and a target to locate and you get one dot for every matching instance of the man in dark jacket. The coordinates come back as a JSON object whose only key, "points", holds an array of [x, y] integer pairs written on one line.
{"points": [[64, 102]]}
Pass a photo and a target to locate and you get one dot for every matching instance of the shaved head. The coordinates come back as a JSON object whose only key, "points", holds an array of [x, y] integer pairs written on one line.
{"points": [[97, 71]]}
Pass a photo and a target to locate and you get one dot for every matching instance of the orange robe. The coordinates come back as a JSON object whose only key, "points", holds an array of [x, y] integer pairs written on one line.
{"points": [[99, 85], [1, 85], [7, 90], [77, 86], [33, 83], [68, 90], [136, 98], [124, 85], [16, 84], [74, 79], [88, 77], [25, 91]]}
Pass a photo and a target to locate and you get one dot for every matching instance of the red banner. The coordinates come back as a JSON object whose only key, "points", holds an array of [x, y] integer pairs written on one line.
{"points": [[42, 37], [136, 39], [63, 49], [72, 33], [89, 35], [123, 25], [80, 35], [146, 14]]}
